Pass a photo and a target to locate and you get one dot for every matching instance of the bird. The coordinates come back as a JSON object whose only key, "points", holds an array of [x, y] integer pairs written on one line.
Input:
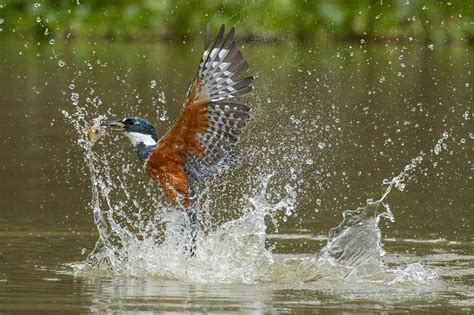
{"points": [[202, 142]]}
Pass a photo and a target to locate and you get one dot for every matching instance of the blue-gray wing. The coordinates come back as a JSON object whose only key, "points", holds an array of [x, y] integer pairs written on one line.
{"points": [[218, 76]]}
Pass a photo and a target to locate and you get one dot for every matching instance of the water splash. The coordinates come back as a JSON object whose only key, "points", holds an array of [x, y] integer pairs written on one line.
{"points": [[357, 240], [135, 241], [356, 244], [139, 235]]}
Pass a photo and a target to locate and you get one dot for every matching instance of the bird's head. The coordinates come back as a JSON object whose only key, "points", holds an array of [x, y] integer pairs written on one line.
{"points": [[140, 132]]}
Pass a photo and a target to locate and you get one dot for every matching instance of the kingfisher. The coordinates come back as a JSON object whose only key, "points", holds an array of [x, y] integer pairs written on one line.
{"points": [[202, 142]]}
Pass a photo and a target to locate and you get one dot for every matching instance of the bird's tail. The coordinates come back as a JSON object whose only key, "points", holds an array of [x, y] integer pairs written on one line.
{"points": [[193, 231], [191, 228]]}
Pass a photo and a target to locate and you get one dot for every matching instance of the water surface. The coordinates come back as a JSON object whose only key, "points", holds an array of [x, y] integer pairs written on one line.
{"points": [[331, 122]]}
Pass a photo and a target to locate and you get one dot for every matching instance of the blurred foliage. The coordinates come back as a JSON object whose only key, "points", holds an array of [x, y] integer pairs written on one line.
{"points": [[269, 20]]}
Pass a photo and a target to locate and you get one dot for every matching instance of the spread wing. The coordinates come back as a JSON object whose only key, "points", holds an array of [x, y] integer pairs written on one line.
{"points": [[202, 141]]}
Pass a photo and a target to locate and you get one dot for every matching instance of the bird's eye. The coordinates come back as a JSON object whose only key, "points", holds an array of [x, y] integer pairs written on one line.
{"points": [[128, 122]]}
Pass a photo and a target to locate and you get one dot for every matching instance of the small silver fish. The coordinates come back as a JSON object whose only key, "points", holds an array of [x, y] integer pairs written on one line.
{"points": [[97, 130]]}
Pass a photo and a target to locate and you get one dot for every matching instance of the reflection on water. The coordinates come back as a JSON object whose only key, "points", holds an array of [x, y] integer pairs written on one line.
{"points": [[330, 124]]}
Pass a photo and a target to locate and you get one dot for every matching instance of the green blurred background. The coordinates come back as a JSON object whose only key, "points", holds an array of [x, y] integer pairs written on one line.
{"points": [[150, 20]]}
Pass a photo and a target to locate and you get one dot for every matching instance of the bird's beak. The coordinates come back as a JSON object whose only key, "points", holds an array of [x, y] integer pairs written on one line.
{"points": [[113, 124]]}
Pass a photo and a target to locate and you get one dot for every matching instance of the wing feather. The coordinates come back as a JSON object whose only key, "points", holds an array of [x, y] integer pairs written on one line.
{"points": [[202, 142]]}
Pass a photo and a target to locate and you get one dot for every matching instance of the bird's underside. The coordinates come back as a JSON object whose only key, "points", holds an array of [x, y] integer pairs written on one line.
{"points": [[202, 141]]}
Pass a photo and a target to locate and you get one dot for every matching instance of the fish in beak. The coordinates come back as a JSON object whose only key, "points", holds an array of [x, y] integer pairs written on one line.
{"points": [[97, 130], [99, 126]]}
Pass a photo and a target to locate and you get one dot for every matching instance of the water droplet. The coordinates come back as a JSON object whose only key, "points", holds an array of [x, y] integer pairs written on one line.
{"points": [[37, 5], [65, 113], [430, 47], [46, 32], [61, 63], [321, 145], [38, 19], [437, 149], [75, 98], [152, 84], [1, 21], [72, 86], [400, 186], [318, 202], [52, 41], [309, 162]]}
